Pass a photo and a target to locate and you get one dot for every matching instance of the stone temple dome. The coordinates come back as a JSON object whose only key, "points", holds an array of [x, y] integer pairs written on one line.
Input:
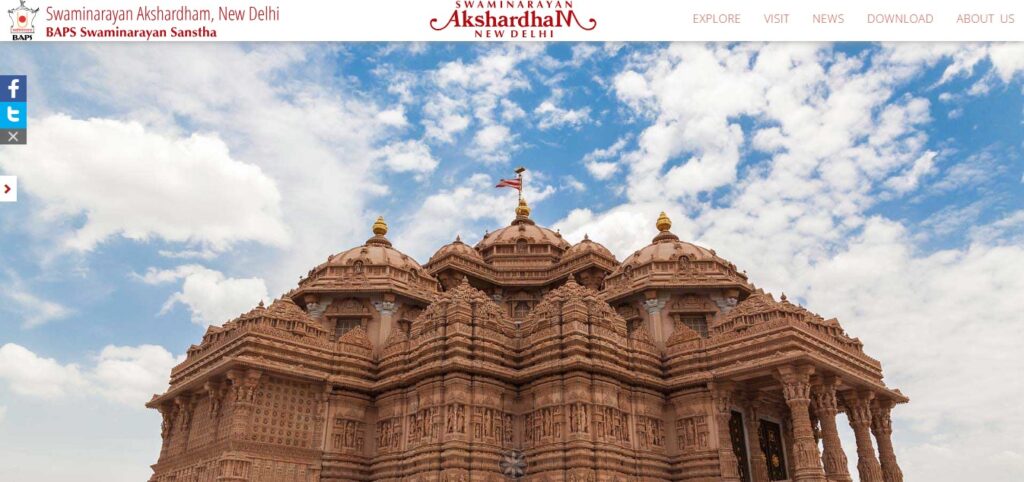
{"points": [[376, 251], [457, 248], [667, 260], [667, 247], [521, 233], [372, 266], [588, 246]]}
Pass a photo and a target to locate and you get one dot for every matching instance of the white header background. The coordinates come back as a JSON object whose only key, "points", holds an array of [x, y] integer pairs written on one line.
{"points": [[645, 20]]}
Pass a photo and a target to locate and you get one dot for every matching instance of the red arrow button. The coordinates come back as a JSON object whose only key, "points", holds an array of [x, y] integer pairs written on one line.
{"points": [[7, 189]]}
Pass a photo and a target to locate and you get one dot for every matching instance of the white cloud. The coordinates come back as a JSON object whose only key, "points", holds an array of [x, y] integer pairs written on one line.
{"points": [[406, 156], [130, 375], [211, 297], [601, 170], [31, 375], [976, 170], [596, 163], [631, 86], [572, 183], [550, 115], [1007, 59], [394, 117], [470, 96], [443, 119], [493, 143], [3, 413], [510, 111], [126, 375], [128, 181], [581, 52], [908, 181], [287, 115], [1008, 229], [492, 76], [33, 310]]}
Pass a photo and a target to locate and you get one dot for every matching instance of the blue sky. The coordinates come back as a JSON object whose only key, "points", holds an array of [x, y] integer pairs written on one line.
{"points": [[167, 187]]}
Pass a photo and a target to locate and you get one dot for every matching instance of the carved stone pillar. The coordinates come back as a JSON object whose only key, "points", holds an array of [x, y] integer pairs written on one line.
{"points": [[656, 326], [185, 404], [721, 395], [796, 388], [858, 411], [387, 309], [233, 467], [168, 412], [758, 460], [243, 387], [320, 424], [824, 402], [881, 426]]}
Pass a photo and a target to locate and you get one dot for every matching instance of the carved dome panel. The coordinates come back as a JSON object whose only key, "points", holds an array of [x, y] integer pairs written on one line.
{"points": [[588, 246], [375, 265], [524, 230], [457, 248]]}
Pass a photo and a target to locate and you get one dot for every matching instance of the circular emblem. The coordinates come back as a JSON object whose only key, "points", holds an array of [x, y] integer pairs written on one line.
{"points": [[513, 464]]}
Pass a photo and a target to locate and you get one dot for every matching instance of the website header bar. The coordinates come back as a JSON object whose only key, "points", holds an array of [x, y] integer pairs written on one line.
{"points": [[516, 20]]}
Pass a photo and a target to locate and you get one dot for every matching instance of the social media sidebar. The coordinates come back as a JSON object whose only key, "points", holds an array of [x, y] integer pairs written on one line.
{"points": [[13, 109]]}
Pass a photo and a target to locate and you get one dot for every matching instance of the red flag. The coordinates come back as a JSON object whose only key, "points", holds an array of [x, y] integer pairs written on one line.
{"points": [[512, 183]]}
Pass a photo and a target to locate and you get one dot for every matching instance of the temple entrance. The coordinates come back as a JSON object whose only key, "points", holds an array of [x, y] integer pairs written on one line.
{"points": [[771, 444], [739, 445]]}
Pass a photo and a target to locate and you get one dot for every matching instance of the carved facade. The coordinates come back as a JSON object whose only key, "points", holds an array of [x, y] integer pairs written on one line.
{"points": [[667, 366]]}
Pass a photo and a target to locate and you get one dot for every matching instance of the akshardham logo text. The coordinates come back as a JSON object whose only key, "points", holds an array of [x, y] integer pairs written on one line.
{"points": [[497, 19], [22, 18]]}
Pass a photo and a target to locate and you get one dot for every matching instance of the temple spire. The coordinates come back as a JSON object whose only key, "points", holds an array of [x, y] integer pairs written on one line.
{"points": [[664, 224], [380, 229]]}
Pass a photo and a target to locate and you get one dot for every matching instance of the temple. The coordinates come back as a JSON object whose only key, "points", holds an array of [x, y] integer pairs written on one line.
{"points": [[526, 357]]}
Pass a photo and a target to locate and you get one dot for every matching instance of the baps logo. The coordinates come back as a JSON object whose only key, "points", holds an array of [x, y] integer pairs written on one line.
{"points": [[21, 22]]}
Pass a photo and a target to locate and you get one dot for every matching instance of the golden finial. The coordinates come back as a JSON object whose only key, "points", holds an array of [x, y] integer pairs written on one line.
{"points": [[523, 209], [380, 228], [664, 223]]}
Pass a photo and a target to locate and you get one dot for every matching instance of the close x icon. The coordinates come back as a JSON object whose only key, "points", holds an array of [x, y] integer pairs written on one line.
{"points": [[13, 109]]}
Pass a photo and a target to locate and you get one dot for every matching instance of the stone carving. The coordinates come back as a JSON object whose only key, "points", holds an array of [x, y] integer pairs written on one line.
{"points": [[825, 405], [543, 425], [455, 416], [389, 434], [424, 426], [611, 425], [692, 433], [796, 389], [377, 368], [858, 411], [881, 427], [579, 419], [650, 432], [348, 435]]}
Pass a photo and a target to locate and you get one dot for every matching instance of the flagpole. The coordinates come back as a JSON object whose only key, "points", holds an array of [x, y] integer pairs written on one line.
{"points": [[519, 174]]}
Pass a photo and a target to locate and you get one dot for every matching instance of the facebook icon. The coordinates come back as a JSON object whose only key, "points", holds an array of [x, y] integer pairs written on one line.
{"points": [[16, 88], [13, 109]]}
